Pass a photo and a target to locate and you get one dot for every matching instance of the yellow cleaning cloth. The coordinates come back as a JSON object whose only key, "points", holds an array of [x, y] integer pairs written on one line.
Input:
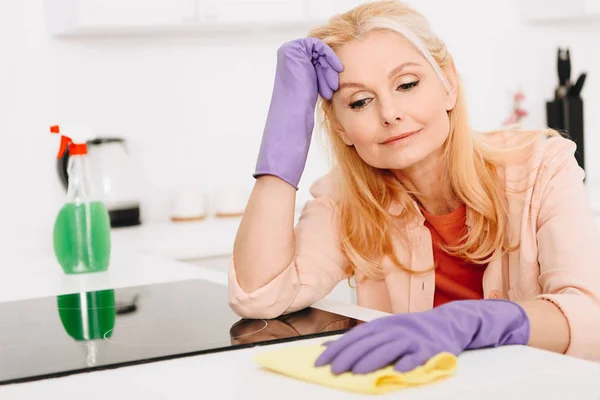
{"points": [[298, 362]]}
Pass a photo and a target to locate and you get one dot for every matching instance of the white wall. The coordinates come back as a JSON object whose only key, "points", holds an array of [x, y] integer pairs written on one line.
{"points": [[193, 108]]}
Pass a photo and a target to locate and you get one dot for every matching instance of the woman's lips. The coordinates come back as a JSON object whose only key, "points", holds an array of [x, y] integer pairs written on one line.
{"points": [[401, 137]]}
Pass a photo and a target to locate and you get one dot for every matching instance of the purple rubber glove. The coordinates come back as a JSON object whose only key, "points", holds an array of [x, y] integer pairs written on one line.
{"points": [[305, 68], [409, 340]]}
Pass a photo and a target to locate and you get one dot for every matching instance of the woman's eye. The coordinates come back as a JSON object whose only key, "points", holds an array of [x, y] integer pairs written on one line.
{"points": [[359, 104], [407, 86]]}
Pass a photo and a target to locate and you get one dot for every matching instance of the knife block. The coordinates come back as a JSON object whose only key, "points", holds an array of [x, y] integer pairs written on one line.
{"points": [[566, 115]]}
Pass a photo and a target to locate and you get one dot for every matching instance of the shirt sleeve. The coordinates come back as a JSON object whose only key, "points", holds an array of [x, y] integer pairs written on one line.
{"points": [[317, 267], [569, 247]]}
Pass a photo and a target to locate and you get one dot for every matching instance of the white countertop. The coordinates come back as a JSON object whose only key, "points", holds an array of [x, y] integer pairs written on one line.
{"points": [[212, 237], [38, 276], [510, 372]]}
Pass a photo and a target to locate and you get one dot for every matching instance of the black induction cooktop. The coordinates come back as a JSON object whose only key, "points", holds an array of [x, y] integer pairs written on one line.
{"points": [[83, 332]]}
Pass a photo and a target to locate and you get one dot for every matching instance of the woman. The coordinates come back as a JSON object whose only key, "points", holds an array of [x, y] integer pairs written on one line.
{"points": [[471, 241]]}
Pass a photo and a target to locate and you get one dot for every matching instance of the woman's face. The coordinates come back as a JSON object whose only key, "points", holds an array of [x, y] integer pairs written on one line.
{"points": [[391, 105]]}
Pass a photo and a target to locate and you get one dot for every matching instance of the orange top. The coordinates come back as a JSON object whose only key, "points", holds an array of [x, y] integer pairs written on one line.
{"points": [[455, 279]]}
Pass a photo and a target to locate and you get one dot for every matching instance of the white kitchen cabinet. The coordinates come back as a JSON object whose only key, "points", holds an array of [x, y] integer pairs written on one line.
{"points": [[73, 18], [322, 10], [256, 12], [592, 7], [559, 11], [79, 17]]}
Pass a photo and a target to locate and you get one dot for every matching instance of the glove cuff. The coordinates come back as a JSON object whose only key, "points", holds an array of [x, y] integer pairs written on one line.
{"points": [[292, 182], [501, 323]]}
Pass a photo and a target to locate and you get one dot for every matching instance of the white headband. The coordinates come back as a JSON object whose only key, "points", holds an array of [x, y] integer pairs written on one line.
{"points": [[384, 23]]}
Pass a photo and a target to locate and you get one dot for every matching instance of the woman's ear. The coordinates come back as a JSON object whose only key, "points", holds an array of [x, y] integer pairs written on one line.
{"points": [[344, 137], [452, 78]]}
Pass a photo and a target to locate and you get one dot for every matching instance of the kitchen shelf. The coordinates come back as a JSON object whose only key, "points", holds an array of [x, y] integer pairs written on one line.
{"points": [[560, 12], [101, 18], [183, 30]]}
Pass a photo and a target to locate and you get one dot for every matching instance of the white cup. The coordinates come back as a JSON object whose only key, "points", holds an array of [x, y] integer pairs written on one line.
{"points": [[188, 204], [230, 201]]}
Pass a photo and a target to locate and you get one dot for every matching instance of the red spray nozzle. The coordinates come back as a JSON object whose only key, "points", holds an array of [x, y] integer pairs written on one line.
{"points": [[65, 141]]}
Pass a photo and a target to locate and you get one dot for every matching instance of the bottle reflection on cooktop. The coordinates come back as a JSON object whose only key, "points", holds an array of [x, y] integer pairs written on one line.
{"points": [[88, 317], [309, 321], [81, 332]]}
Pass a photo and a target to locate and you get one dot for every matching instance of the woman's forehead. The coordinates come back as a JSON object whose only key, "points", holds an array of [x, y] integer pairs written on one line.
{"points": [[377, 53]]}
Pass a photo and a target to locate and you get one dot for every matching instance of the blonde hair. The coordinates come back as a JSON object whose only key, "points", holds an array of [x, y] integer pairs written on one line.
{"points": [[365, 194]]}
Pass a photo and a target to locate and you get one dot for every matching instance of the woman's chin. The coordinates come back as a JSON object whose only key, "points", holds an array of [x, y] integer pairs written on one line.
{"points": [[400, 164]]}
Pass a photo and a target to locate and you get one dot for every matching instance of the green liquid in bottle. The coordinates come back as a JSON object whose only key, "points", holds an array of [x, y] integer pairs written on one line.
{"points": [[82, 237]]}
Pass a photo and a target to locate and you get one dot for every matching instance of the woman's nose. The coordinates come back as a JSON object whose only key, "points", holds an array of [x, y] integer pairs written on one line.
{"points": [[391, 112]]}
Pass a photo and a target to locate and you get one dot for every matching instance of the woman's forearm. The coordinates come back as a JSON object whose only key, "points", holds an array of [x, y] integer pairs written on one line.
{"points": [[265, 242], [549, 326]]}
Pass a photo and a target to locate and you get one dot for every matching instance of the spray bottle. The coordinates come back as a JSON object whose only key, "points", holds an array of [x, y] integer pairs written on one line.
{"points": [[82, 227]]}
